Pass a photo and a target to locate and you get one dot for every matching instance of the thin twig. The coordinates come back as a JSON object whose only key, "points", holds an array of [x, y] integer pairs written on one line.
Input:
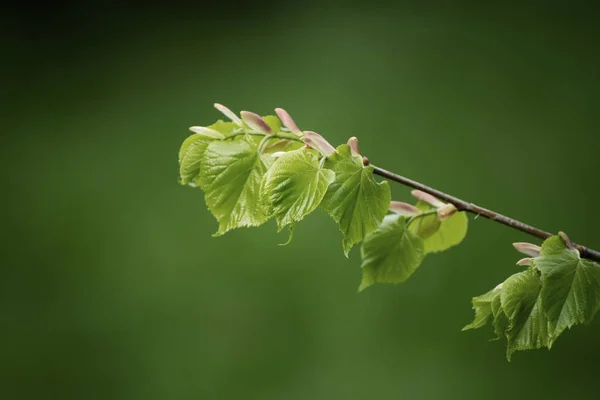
{"points": [[462, 205]]}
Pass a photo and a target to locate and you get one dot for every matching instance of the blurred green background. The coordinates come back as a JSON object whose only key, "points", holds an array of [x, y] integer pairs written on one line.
{"points": [[111, 286]]}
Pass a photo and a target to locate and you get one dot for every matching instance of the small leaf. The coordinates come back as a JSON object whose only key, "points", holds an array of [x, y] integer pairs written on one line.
{"points": [[425, 225], [225, 128], [440, 235], [483, 309], [571, 289], [354, 200], [295, 185], [230, 175], [390, 254]]}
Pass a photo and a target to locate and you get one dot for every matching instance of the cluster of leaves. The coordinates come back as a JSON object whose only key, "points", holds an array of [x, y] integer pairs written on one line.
{"points": [[255, 168], [532, 308]]}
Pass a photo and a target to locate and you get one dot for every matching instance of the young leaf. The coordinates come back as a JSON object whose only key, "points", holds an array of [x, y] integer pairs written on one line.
{"points": [[225, 128], [295, 185], [440, 235], [192, 150], [390, 254], [190, 154], [521, 303], [354, 200], [483, 309], [230, 175], [571, 289]]}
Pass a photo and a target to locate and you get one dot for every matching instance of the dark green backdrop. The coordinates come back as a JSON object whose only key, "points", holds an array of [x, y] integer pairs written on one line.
{"points": [[111, 286]]}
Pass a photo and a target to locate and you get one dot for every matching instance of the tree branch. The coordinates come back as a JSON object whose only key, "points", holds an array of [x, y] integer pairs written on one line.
{"points": [[462, 205]]}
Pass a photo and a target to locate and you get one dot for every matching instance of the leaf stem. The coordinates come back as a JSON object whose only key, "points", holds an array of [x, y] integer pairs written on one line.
{"points": [[416, 217], [462, 205]]}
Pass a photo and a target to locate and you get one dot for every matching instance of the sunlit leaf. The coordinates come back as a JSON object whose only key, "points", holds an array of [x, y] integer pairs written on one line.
{"points": [[440, 235], [230, 175], [295, 185], [390, 254], [190, 155], [354, 200]]}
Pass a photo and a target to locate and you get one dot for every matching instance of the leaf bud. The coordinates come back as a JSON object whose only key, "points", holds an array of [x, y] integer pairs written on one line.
{"points": [[318, 142], [229, 114], [256, 122], [527, 261], [207, 132], [529, 249], [353, 143], [446, 211], [287, 121], [427, 198], [402, 208], [568, 242]]}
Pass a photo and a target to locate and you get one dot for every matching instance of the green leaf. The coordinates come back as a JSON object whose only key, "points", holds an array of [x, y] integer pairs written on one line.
{"points": [[501, 322], [273, 122], [226, 128], [354, 200], [439, 236], [483, 309], [426, 225], [190, 154], [390, 254], [571, 289], [521, 303], [230, 175], [295, 185], [193, 148]]}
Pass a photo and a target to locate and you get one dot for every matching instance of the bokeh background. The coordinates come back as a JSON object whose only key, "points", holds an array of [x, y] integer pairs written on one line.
{"points": [[111, 286]]}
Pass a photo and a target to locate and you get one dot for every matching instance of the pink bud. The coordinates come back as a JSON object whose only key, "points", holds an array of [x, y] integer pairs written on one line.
{"points": [[529, 249], [318, 143], [427, 198], [446, 211], [228, 113], [256, 122], [353, 143], [525, 261], [207, 132], [287, 121], [402, 208], [568, 241]]}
